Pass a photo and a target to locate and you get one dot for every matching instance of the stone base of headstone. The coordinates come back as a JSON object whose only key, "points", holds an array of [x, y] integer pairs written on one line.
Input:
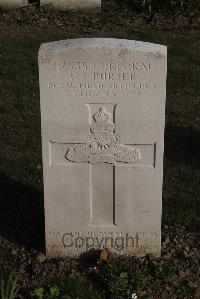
{"points": [[12, 4], [71, 4]]}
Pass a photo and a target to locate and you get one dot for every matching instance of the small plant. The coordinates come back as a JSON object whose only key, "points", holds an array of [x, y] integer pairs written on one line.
{"points": [[8, 285], [163, 269], [54, 291], [147, 4], [72, 287], [166, 5], [39, 293]]}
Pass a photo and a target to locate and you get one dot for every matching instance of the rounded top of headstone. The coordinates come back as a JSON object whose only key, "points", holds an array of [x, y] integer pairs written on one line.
{"points": [[103, 43]]}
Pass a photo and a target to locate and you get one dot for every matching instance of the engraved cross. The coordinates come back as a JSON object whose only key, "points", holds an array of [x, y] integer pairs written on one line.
{"points": [[104, 152]]}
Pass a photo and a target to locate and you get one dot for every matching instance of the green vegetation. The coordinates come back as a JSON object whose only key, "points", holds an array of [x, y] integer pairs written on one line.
{"points": [[146, 277], [165, 5], [8, 285], [184, 5], [68, 288]]}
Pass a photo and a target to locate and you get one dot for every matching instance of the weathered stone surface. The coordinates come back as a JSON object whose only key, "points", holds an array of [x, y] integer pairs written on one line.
{"points": [[72, 4], [12, 4], [102, 113]]}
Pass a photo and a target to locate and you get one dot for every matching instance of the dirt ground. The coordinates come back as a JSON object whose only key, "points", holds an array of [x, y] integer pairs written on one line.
{"points": [[22, 247]]}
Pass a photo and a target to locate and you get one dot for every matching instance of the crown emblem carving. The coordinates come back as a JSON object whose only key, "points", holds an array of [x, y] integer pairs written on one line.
{"points": [[103, 144]]}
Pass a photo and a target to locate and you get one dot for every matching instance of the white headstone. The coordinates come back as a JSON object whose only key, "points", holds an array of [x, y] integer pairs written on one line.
{"points": [[12, 4], [103, 116], [72, 4]]}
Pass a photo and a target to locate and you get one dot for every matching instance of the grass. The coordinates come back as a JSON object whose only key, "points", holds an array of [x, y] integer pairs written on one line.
{"points": [[21, 210], [145, 277], [20, 111], [8, 285]]}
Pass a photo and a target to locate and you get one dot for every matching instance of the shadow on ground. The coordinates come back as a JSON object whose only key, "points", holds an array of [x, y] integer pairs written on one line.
{"points": [[21, 214], [181, 188], [182, 145]]}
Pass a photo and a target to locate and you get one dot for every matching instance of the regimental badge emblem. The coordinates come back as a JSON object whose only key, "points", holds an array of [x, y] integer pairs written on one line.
{"points": [[103, 144]]}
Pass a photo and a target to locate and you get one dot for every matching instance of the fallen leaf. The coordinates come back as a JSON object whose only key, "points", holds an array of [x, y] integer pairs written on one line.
{"points": [[105, 255]]}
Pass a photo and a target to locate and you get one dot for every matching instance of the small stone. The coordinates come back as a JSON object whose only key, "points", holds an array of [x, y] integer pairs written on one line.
{"points": [[168, 288], [13, 252], [41, 257], [193, 285]]}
